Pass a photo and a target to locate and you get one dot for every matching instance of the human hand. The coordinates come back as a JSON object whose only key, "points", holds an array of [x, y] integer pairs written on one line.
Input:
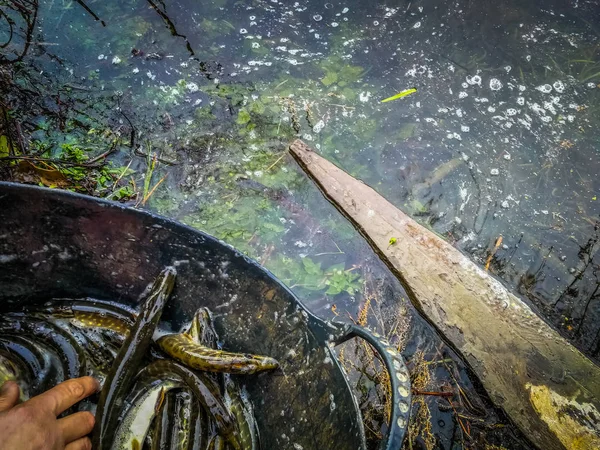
{"points": [[33, 425]]}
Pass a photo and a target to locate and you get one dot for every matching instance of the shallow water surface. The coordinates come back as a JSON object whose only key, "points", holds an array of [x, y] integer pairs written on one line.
{"points": [[497, 150]]}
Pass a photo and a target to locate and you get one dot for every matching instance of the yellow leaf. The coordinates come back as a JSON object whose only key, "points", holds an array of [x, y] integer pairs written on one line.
{"points": [[4, 148], [402, 94]]}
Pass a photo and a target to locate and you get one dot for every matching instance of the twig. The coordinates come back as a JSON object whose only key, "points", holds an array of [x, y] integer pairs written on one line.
{"points": [[50, 160], [275, 163], [103, 155], [153, 189], [90, 12], [437, 394], [121, 175], [494, 250]]}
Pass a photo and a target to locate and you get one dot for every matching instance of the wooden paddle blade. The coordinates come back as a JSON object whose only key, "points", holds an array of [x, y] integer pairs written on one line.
{"points": [[546, 386]]}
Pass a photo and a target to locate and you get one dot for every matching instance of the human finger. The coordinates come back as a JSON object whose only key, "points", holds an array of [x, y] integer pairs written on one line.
{"points": [[9, 395], [76, 426], [80, 444], [66, 394]]}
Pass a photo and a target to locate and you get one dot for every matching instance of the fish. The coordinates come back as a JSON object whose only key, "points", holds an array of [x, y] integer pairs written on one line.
{"points": [[202, 332], [402, 94], [205, 390], [185, 406], [130, 356], [216, 443], [88, 312], [242, 410], [64, 345], [184, 349], [40, 368], [135, 424], [10, 372], [157, 394]]}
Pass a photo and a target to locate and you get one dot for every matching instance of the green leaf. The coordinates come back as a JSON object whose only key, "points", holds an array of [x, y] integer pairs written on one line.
{"points": [[329, 79], [311, 267], [243, 117], [334, 290], [274, 227]]}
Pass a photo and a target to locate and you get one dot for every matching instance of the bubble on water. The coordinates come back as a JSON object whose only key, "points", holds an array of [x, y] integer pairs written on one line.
{"points": [[334, 24], [528, 58], [590, 85], [558, 86], [464, 85], [328, 5], [243, 31], [345, 10], [522, 88], [546, 119], [375, 22], [252, 17], [475, 79], [545, 88], [494, 172], [462, 94], [507, 68], [317, 17], [495, 84], [464, 128], [520, 101], [506, 156], [511, 112], [255, 45], [491, 109], [319, 126], [548, 106], [417, 25]]}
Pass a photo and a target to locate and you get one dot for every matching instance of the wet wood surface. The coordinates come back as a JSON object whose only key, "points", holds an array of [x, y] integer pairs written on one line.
{"points": [[546, 386]]}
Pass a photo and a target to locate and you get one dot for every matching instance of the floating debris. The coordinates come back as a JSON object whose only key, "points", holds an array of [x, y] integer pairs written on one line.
{"points": [[402, 94]]}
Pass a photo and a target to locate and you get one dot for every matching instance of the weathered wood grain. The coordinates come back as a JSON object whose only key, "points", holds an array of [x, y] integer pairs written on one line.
{"points": [[546, 386]]}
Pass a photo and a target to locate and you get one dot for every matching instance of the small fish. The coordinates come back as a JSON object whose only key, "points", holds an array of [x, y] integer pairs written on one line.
{"points": [[202, 332], [40, 366], [88, 312], [216, 443], [184, 349], [66, 347], [9, 372], [242, 410], [134, 426], [205, 390], [128, 359], [402, 94]]}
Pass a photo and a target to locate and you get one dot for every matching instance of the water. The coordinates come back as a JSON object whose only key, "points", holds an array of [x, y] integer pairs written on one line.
{"points": [[500, 138]]}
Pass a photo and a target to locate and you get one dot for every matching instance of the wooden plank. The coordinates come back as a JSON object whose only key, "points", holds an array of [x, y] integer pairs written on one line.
{"points": [[545, 385]]}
